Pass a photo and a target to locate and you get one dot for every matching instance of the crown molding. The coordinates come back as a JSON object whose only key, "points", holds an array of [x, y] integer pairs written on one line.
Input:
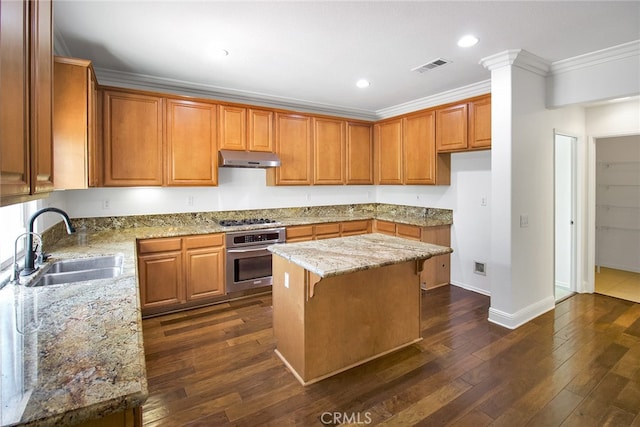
{"points": [[108, 77], [590, 59], [475, 89], [59, 45], [518, 58]]}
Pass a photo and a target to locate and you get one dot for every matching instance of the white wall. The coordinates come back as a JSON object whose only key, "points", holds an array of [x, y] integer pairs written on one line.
{"points": [[605, 74], [241, 189], [238, 189], [470, 232]]}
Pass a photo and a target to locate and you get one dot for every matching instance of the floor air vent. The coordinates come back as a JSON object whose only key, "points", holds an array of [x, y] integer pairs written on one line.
{"points": [[430, 65]]}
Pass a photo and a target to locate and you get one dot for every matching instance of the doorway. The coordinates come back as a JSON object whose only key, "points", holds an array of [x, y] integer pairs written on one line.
{"points": [[617, 217], [565, 183]]}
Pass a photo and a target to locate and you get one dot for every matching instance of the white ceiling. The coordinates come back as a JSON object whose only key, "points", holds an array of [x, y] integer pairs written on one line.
{"points": [[312, 52]]}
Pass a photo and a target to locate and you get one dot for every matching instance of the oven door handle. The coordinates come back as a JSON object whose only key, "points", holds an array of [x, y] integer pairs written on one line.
{"points": [[241, 251]]}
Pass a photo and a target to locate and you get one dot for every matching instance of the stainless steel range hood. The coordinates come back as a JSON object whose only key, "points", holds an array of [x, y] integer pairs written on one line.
{"points": [[247, 159]]}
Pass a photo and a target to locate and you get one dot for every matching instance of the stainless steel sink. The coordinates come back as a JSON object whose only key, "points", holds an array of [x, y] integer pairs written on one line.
{"points": [[79, 264], [81, 270]]}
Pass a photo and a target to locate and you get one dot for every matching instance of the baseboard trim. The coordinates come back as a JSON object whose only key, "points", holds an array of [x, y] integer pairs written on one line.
{"points": [[520, 317], [471, 288]]}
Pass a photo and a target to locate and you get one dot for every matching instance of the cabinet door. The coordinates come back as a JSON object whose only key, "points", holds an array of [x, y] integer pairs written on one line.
{"points": [[204, 273], [389, 152], [260, 130], [192, 158], [232, 129], [294, 146], [74, 124], [359, 154], [419, 148], [41, 97], [437, 270], [451, 128], [480, 123], [329, 151], [14, 138], [132, 139], [160, 279]]}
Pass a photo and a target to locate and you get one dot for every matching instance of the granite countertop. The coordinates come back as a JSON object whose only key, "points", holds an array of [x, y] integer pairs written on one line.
{"points": [[342, 255], [78, 347], [81, 355]]}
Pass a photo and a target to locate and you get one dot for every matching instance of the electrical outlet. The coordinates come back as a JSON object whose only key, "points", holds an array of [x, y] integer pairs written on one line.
{"points": [[190, 200], [524, 220], [106, 204], [483, 201]]}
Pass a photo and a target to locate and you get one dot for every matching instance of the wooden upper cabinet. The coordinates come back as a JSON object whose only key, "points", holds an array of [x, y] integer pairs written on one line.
{"points": [[359, 154], [480, 123], [294, 145], [41, 96], [388, 143], [232, 131], [451, 128], [133, 129], [74, 124], [260, 130], [14, 122], [245, 129], [329, 151], [419, 148], [191, 154]]}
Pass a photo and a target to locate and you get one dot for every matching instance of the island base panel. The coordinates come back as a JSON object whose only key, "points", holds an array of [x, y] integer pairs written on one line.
{"points": [[324, 326]]}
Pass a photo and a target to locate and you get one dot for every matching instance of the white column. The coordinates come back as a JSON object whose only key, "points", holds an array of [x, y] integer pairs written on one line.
{"points": [[521, 265]]}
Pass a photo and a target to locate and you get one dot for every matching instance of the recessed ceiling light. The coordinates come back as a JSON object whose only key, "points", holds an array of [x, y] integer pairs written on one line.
{"points": [[362, 83], [467, 41]]}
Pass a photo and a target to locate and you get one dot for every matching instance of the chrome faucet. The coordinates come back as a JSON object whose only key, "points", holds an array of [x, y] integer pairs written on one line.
{"points": [[29, 256], [16, 268]]}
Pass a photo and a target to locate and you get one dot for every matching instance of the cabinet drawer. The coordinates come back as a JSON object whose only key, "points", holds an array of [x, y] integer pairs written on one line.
{"points": [[159, 245], [300, 232], [323, 229], [386, 227], [355, 227], [408, 231], [204, 241]]}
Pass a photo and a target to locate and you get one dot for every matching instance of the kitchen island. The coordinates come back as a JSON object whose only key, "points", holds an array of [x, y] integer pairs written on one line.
{"points": [[338, 303]]}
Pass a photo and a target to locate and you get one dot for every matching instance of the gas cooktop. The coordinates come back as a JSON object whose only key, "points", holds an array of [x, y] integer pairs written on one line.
{"points": [[245, 221]]}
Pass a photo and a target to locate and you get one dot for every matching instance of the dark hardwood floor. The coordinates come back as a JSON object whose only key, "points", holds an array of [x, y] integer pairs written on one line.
{"points": [[578, 365]]}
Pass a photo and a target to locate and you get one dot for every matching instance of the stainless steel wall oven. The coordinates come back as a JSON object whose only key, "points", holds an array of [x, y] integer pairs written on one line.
{"points": [[248, 260]]}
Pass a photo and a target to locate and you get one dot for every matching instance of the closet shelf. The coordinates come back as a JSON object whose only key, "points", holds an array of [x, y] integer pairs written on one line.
{"points": [[617, 207], [606, 228]]}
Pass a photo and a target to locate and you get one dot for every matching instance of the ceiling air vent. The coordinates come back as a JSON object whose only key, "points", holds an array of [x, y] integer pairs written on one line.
{"points": [[439, 62]]}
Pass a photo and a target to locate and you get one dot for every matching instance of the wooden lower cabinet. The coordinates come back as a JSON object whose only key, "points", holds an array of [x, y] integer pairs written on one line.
{"points": [[204, 266], [304, 233], [178, 272], [326, 231], [352, 228], [437, 270]]}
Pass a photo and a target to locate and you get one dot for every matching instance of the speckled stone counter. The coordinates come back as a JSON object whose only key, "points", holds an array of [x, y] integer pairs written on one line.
{"points": [[77, 348], [341, 302], [82, 356], [343, 255]]}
